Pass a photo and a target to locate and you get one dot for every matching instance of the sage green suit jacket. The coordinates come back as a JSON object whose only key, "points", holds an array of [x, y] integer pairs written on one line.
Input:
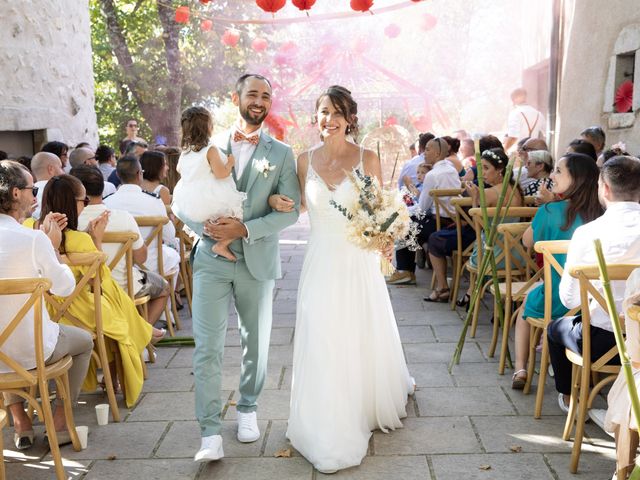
{"points": [[261, 250]]}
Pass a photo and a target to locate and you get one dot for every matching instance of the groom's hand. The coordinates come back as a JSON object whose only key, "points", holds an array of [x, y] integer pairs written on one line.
{"points": [[225, 229]]}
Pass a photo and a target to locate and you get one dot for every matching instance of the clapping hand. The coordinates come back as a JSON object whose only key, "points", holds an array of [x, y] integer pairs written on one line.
{"points": [[281, 203], [97, 227], [51, 226], [473, 191], [544, 195]]}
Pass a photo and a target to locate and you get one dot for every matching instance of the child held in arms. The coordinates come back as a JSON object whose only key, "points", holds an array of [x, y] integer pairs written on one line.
{"points": [[206, 189]]}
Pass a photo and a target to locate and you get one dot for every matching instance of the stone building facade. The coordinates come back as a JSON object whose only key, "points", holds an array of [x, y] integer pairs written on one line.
{"points": [[46, 92], [600, 50]]}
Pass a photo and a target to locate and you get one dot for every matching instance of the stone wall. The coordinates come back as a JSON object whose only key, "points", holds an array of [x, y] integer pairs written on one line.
{"points": [[46, 71], [592, 39]]}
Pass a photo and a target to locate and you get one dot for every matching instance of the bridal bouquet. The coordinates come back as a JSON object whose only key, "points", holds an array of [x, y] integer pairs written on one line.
{"points": [[377, 217]]}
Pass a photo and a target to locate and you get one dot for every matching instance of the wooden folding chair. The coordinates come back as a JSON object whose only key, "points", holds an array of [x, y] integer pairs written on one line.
{"points": [[476, 215], [539, 325], [92, 261], [156, 223], [438, 196], [3, 423], [460, 254], [521, 275], [19, 380], [125, 241], [185, 245], [582, 394]]}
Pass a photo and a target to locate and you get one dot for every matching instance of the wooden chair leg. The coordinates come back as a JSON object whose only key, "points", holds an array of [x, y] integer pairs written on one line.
{"points": [[508, 321], [455, 280], [145, 373], [167, 314], [174, 310], [534, 338], [542, 378], [63, 394], [186, 283], [476, 310], [496, 330], [3, 423], [108, 381], [581, 418], [571, 416], [51, 430]]}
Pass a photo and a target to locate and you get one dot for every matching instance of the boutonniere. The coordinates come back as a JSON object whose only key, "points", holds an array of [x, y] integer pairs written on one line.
{"points": [[264, 167]]}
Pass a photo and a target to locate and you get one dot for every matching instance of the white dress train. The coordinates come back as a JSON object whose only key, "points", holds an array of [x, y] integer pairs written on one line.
{"points": [[349, 372]]}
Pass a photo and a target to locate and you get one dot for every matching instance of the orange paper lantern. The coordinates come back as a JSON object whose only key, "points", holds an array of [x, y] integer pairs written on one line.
{"points": [[303, 4], [182, 14], [271, 6], [361, 5]]}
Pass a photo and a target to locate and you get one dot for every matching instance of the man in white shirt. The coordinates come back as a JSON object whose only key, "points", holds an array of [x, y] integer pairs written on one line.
{"points": [[619, 231], [44, 166], [410, 169], [443, 175], [145, 282], [131, 198], [86, 156], [29, 253], [524, 120]]}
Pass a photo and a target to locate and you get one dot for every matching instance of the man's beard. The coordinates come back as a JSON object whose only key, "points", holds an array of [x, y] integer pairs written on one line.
{"points": [[250, 119]]}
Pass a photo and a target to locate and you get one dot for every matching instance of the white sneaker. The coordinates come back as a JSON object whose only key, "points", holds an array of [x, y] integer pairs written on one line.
{"points": [[563, 406], [210, 449], [248, 427]]}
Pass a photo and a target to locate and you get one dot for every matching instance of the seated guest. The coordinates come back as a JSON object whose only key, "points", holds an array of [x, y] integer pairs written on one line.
{"points": [[494, 164], [26, 253], [454, 148], [106, 157], [44, 166], [619, 231], [86, 156], [133, 149], [122, 324], [618, 149], [619, 419], [145, 282], [596, 137], [415, 190], [576, 180], [539, 166], [131, 198], [584, 147], [442, 175], [155, 169], [409, 169], [59, 149]]}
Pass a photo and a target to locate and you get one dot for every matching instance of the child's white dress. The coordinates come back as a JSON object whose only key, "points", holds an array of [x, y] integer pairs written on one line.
{"points": [[199, 195]]}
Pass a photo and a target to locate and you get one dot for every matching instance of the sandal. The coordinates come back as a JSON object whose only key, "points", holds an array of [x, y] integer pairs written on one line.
{"points": [[464, 301], [156, 338], [23, 440], [438, 295], [518, 382]]}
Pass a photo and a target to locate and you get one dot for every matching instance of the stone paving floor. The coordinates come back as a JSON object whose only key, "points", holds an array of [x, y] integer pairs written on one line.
{"points": [[462, 425]]}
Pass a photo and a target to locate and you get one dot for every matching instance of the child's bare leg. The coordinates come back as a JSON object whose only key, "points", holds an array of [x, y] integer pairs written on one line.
{"points": [[222, 248]]}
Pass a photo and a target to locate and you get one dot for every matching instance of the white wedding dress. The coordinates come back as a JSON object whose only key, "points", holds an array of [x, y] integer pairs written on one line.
{"points": [[349, 372]]}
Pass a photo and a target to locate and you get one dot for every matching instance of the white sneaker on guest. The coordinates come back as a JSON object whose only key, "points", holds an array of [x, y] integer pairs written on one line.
{"points": [[248, 427], [210, 449]]}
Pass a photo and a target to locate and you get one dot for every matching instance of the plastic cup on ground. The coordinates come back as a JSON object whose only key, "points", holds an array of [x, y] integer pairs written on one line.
{"points": [[102, 412], [83, 433]]}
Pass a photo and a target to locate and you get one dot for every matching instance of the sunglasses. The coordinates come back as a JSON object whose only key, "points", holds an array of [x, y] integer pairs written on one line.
{"points": [[133, 125], [84, 200], [34, 190]]}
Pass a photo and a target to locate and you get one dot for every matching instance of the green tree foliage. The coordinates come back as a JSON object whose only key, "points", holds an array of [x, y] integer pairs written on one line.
{"points": [[149, 67]]}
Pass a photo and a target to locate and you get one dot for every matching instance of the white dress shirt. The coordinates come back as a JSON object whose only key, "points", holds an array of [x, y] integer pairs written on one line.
{"points": [[242, 151], [443, 175], [109, 189], [132, 199], [410, 168], [518, 127], [619, 231], [119, 221], [28, 253]]}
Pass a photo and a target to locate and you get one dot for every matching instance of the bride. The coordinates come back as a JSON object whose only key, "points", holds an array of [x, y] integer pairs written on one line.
{"points": [[349, 372]]}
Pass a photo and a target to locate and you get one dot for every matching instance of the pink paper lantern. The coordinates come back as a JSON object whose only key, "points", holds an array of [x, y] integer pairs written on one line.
{"points": [[230, 38], [428, 22], [259, 44], [182, 14], [206, 25], [392, 30]]}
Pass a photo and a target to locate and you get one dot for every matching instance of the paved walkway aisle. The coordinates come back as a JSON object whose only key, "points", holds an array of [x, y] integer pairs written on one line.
{"points": [[460, 426]]}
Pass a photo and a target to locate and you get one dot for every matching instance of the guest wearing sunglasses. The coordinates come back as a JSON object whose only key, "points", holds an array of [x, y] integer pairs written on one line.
{"points": [[86, 156]]}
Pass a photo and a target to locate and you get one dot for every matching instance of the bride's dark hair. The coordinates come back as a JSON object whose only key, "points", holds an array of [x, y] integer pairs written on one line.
{"points": [[344, 103]]}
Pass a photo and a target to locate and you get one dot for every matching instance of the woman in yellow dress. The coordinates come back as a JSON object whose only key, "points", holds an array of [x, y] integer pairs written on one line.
{"points": [[124, 328]]}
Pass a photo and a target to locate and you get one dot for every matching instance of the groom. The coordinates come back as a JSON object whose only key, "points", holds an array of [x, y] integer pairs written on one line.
{"points": [[264, 166]]}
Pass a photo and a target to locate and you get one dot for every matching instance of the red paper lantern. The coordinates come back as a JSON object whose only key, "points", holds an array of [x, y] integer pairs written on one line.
{"points": [[259, 44], [361, 5], [304, 4], [392, 30], [182, 14], [230, 38], [428, 22], [204, 2], [391, 121], [271, 6], [624, 97], [206, 25]]}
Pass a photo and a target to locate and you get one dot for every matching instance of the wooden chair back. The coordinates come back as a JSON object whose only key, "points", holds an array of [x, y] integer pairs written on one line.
{"points": [[519, 261], [155, 236], [438, 196], [125, 240]]}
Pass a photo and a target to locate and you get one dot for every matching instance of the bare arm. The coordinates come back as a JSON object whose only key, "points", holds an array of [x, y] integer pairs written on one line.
{"points": [[508, 142], [527, 237], [165, 196], [303, 166], [140, 255], [219, 169]]}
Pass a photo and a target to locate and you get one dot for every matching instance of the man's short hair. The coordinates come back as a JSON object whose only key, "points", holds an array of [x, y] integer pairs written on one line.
{"points": [[535, 144], [128, 168], [55, 147], [12, 175], [104, 153], [519, 93], [241, 82], [423, 139], [41, 161], [622, 174], [542, 156], [582, 146], [595, 133], [91, 178], [78, 156]]}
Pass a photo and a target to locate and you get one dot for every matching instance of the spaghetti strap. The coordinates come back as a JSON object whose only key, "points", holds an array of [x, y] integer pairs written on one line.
{"points": [[360, 163]]}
